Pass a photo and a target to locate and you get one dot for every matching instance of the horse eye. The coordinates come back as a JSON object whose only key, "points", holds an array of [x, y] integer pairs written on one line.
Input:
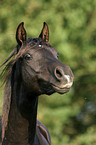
{"points": [[57, 55], [27, 56]]}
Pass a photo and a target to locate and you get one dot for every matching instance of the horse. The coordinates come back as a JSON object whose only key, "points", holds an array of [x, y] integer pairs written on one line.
{"points": [[32, 69]]}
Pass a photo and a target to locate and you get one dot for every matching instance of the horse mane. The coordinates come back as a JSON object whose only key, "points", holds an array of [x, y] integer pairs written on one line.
{"points": [[7, 92], [6, 106]]}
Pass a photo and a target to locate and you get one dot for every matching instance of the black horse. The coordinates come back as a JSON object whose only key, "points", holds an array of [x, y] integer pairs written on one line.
{"points": [[32, 69]]}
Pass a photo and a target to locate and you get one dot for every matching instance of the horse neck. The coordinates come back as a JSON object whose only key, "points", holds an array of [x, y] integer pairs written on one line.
{"points": [[20, 128]]}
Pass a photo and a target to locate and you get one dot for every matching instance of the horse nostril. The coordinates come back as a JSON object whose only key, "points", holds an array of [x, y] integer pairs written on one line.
{"points": [[65, 79], [58, 73]]}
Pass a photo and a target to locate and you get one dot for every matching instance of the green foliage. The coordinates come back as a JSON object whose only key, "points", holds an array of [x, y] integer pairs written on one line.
{"points": [[70, 118]]}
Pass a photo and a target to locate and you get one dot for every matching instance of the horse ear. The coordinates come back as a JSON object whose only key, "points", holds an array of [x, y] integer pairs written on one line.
{"points": [[20, 33], [44, 35]]}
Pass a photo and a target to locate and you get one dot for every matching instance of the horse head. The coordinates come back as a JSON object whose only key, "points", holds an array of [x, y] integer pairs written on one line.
{"points": [[41, 71]]}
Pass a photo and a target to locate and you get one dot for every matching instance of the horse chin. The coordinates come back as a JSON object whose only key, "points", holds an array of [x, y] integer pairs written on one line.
{"points": [[49, 92], [61, 90]]}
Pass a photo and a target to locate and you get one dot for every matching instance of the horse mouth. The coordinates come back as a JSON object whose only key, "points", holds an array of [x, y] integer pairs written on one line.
{"points": [[60, 90]]}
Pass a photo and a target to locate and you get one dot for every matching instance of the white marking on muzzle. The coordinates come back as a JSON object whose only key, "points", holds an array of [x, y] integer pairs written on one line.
{"points": [[69, 83], [67, 78]]}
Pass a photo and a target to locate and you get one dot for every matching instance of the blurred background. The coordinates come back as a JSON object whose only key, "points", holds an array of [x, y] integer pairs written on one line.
{"points": [[70, 118]]}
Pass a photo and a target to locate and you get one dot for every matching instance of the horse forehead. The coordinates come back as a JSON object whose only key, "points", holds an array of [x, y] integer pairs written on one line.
{"points": [[40, 50], [35, 44], [30, 39]]}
